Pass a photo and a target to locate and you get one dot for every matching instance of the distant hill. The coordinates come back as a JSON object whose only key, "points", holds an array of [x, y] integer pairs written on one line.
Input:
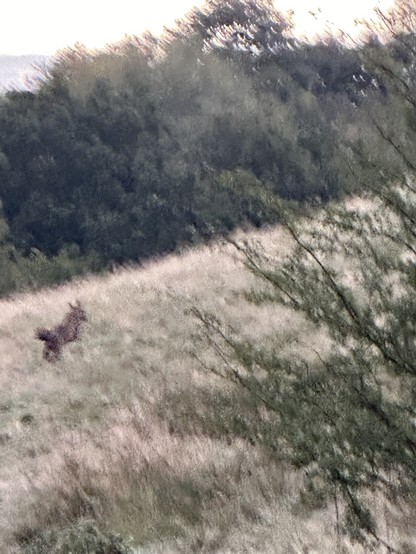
{"points": [[14, 70]]}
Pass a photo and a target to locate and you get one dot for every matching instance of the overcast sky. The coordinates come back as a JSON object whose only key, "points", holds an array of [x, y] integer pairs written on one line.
{"points": [[44, 26]]}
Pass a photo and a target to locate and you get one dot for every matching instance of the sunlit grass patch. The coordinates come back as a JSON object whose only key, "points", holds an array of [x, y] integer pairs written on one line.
{"points": [[129, 430]]}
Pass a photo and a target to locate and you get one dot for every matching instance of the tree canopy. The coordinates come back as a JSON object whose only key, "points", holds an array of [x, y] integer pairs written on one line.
{"points": [[154, 144]]}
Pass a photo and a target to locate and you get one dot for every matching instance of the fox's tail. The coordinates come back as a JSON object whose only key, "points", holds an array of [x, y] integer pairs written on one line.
{"points": [[45, 335]]}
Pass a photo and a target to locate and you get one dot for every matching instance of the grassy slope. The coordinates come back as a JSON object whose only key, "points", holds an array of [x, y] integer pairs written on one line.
{"points": [[126, 428]]}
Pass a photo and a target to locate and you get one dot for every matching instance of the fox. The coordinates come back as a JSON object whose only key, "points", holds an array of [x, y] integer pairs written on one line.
{"points": [[67, 331]]}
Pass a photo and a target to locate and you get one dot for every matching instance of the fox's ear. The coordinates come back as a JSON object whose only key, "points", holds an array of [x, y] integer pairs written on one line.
{"points": [[78, 304], [71, 306]]}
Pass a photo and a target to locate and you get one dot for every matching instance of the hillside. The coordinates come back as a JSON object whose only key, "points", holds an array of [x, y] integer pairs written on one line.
{"points": [[129, 429], [255, 395]]}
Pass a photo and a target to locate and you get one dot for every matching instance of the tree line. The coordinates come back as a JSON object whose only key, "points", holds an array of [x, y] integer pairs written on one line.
{"points": [[134, 151]]}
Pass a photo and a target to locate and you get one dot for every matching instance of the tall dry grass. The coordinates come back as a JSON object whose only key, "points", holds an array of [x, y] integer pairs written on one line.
{"points": [[127, 428]]}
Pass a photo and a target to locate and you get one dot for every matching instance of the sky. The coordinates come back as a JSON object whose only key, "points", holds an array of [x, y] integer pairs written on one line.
{"points": [[45, 26]]}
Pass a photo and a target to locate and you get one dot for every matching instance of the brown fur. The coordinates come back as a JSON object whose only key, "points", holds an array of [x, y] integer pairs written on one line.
{"points": [[68, 331]]}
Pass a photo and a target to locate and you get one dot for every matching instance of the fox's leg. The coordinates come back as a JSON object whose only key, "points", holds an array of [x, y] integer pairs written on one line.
{"points": [[51, 353]]}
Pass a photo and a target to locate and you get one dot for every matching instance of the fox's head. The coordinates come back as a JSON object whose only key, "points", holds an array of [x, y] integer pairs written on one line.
{"points": [[78, 312]]}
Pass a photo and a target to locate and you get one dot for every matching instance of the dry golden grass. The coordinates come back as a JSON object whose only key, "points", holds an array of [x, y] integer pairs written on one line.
{"points": [[104, 433]]}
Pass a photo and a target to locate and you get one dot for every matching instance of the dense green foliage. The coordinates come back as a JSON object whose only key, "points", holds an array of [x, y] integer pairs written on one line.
{"points": [[135, 151], [344, 412]]}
